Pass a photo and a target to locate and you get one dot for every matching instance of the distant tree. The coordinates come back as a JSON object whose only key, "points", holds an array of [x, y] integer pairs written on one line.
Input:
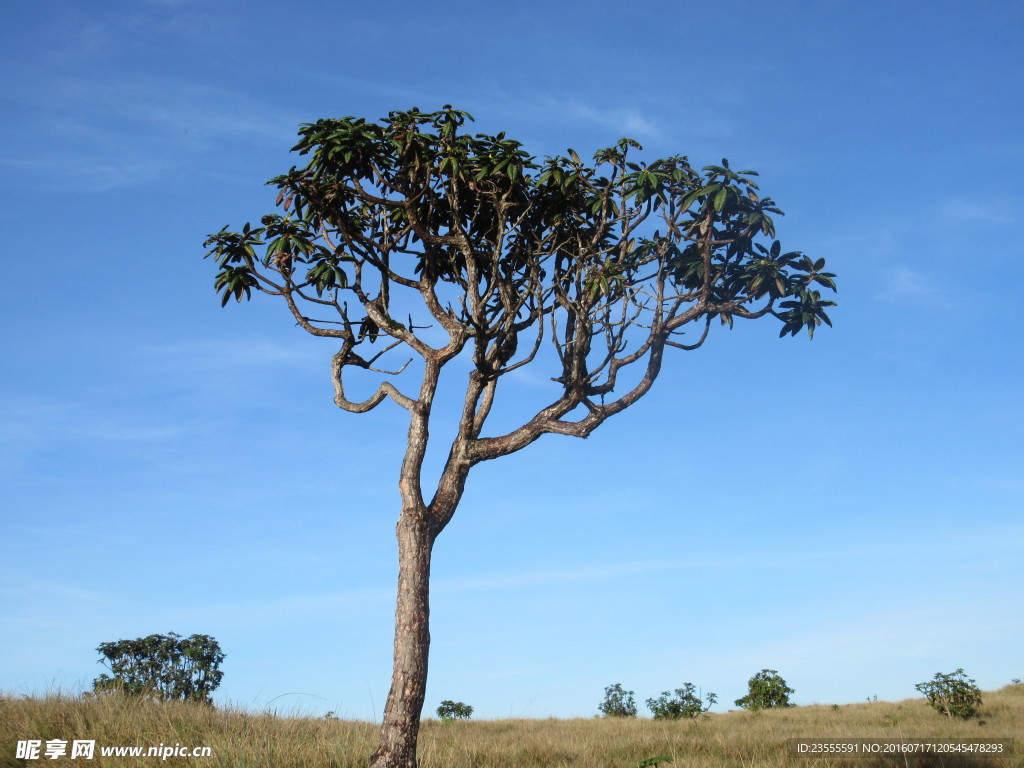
{"points": [[454, 710], [685, 703], [412, 235], [617, 702], [766, 690], [166, 667], [954, 695]]}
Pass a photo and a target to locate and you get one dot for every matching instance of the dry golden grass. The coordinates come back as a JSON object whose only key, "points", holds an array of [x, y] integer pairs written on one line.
{"points": [[746, 739]]}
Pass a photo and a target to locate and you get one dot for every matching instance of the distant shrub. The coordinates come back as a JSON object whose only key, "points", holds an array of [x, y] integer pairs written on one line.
{"points": [[454, 710], [165, 667], [766, 690], [954, 695], [617, 702], [685, 703]]}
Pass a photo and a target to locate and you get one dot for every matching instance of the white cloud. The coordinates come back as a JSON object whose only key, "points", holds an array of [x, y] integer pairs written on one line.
{"points": [[32, 424], [906, 286], [628, 121], [228, 354], [547, 577], [968, 212], [99, 135]]}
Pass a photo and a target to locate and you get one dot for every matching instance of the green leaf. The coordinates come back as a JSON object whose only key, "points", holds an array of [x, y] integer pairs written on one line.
{"points": [[826, 280], [277, 245], [720, 199]]}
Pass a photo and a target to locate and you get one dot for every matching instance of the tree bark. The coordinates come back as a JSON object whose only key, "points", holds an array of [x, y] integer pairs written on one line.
{"points": [[401, 724]]}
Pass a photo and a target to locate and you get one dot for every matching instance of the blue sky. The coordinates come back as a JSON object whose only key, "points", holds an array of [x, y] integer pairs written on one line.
{"points": [[846, 511]]}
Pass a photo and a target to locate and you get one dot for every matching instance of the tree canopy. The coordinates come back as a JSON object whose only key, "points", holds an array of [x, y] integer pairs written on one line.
{"points": [[613, 262], [164, 667]]}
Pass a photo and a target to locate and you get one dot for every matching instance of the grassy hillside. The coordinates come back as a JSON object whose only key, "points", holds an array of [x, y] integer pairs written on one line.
{"points": [[237, 738]]}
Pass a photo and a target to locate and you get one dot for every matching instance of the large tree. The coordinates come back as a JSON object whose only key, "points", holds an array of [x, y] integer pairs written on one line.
{"points": [[412, 235]]}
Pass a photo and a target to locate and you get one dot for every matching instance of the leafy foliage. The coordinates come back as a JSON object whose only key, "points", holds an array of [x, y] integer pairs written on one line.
{"points": [[685, 703], [414, 201], [166, 667], [454, 710], [954, 695], [766, 690], [617, 702]]}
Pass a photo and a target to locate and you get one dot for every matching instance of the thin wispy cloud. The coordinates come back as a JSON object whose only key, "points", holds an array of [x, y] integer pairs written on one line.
{"points": [[94, 174], [227, 354], [919, 630], [33, 426], [99, 136], [25, 428], [548, 577], [628, 121], [277, 612], [961, 212], [549, 108], [34, 594], [88, 34], [906, 285], [663, 125]]}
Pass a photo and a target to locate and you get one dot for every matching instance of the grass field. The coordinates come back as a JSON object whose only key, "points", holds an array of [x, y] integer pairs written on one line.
{"points": [[750, 739]]}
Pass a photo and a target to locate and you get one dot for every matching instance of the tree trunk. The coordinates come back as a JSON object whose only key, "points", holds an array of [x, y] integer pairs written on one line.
{"points": [[401, 725]]}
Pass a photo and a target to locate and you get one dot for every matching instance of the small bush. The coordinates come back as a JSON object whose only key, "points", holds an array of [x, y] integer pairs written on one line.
{"points": [[617, 702], [766, 690], [952, 695], [454, 710], [685, 703]]}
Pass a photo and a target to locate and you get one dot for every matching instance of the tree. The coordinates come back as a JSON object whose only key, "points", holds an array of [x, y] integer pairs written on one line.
{"points": [[765, 690], [164, 667], [953, 695], [412, 235], [617, 702], [454, 710], [685, 703]]}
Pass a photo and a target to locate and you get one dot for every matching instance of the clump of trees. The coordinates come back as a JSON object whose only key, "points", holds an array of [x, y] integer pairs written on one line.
{"points": [[162, 667], [953, 695], [617, 702], [454, 710], [766, 690], [686, 702]]}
